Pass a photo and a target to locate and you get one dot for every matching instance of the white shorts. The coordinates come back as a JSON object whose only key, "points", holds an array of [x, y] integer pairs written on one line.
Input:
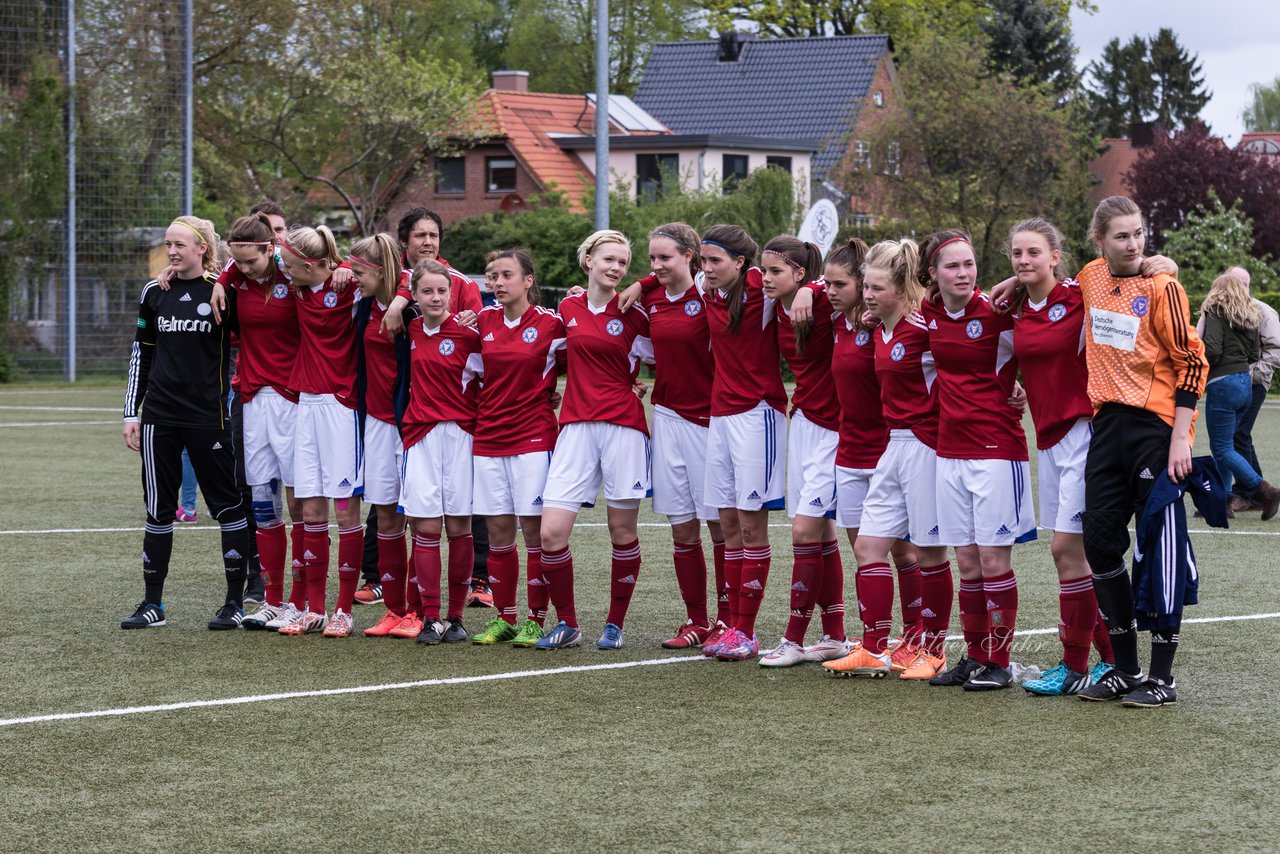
{"points": [[436, 476], [510, 486], [851, 493], [901, 501], [679, 468], [383, 452], [1061, 470], [745, 454], [594, 453], [327, 457], [985, 502], [268, 422], [811, 469]]}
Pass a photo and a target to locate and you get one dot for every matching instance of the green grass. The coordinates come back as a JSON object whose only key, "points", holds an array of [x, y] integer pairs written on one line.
{"points": [[695, 755]]}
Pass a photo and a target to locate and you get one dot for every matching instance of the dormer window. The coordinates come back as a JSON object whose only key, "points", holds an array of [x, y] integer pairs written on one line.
{"points": [[877, 97]]}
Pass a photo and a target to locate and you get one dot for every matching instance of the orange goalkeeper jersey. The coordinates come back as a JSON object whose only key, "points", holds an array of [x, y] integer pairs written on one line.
{"points": [[1140, 345]]}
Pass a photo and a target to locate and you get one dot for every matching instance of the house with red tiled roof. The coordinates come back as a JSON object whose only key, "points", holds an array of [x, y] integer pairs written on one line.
{"points": [[1260, 142], [1116, 157]]}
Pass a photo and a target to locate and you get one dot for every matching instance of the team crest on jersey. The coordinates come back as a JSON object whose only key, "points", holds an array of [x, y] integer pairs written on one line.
{"points": [[1139, 306], [898, 352], [330, 299], [281, 290], [445, 347], [613, 327], [693, 308], [1057, 311], [529, 335], [862, 338], [973, 329]]}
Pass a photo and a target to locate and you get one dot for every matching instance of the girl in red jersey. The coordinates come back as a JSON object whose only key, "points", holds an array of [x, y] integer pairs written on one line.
{"points": [[515, 435], [747, 443], [603, 437], [789, 266], [326, 452], [438, 423], [900, 496], [376, 269]]}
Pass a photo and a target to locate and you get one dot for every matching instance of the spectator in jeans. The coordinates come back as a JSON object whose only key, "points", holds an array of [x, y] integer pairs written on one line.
{"points": [[1260, 373]]}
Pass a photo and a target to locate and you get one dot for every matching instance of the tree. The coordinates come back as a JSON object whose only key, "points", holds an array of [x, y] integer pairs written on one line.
{"points": [[1212, 238], [1031, 40], [1264, 113], [1179, 81], [1145, 80]]}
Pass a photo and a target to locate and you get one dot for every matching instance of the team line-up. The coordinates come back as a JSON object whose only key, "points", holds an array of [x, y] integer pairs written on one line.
{"points": [[362, 378]]}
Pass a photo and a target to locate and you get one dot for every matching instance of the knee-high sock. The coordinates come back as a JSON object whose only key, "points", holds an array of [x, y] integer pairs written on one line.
{"points": [[393, 570], [831, 591], [911, 600], [624, 570], [1002, 609], [350, 559], [298, 567], [504, 569], [723, 614], [235, 557], [875, 604], [462, 559], [157, 550], [755, 577], [426, 565], [1164, 646], [805, 573], [732, 581], [557, 569], [315, 565], [273, 547], [1115, 597], [1078, 615], [536, 589], [974, 620], [691, 578], [937, 591]]}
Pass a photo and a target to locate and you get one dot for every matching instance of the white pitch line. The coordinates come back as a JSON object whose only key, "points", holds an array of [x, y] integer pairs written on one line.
{"points": [[53, 423], [60, 408]]}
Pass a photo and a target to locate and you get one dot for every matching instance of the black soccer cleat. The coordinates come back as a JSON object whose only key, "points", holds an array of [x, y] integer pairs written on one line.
{"points": [[147, 615], [456, 632], [1114, 685], [1151, 694], [957, 675], [432, 633], [229, 616], [989, 677]]}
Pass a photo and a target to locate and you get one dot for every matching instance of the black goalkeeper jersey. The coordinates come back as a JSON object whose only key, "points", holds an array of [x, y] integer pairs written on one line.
{"points": [[180, 361]]}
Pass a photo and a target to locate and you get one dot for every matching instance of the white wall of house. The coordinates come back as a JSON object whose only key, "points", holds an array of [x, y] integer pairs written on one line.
{"points": [[700, 167]]}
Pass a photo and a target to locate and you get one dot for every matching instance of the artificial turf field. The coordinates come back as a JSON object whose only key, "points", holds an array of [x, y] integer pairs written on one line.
{"points": [[522, 750]]}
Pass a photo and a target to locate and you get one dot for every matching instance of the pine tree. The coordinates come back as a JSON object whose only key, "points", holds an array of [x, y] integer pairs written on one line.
{"points": [[1031, 40], [1179, 81]]}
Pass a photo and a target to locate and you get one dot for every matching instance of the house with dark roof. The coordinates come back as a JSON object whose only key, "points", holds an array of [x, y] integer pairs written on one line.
{"points": [[831, 89]]}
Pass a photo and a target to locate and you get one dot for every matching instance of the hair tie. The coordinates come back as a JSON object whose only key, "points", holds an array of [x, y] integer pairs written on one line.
{"points": [[938, 248], [298, 254], [203, 239], [364, 262], [784, 258], [733, 253]]}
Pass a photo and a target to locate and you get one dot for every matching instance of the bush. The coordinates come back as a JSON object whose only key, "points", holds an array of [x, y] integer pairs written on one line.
{"points": [[1212, 238]]}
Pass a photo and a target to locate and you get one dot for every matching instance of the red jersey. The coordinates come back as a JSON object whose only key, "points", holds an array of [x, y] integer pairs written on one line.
{"points": [[863, 434], [904, 368], [1048, 342], [814, 394], [683, 363], [326, 362], [464, 294], [748, 367], [443, 365], [379, 368], [520, 370], [973, 353], [604, 350], [267, 314]]}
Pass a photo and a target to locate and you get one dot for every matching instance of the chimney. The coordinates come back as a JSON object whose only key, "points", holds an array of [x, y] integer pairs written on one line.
{"points": [[731, 44], [511, 81], [1145, 134]]}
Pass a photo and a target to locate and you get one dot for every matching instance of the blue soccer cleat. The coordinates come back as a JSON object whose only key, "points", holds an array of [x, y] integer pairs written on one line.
{"points": [[1058, 682], [562, 636], [1098, 671], [611, 638]]}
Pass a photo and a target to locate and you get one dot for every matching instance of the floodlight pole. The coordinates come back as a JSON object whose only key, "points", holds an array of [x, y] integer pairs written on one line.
{"points": [[69, 365], [602, 114]]}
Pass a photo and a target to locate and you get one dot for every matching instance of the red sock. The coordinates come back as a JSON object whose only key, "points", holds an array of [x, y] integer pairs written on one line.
{"points": [[732, 581], [393, 567], [504, 569], [1102, 637], [831, 591], [723, 614], [298, 592], [426, 565], [1002, 604], [462, 562], [1077, 609], [536, 589], [755, 577], [315, 559], [691, 578], [937, 590], [557, 568], [875, 604], [624, 570], [805, 574], [272, 548], [413, 595], [350, 558], [974, 620], [911, 600]]}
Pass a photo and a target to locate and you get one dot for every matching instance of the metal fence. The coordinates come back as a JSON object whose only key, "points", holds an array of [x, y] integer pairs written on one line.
{"points": [[73, 291]]}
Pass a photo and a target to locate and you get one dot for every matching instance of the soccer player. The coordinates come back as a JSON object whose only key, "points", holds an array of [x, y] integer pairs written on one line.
{"points": [[603, 438], [515, 436], [176, 398], [437, 426]]}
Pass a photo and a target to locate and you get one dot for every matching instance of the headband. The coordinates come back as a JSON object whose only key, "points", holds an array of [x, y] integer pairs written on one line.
{"points": [[298, 254], [733, 253], [785, 258], [251, 243], [938, 248], [364, 262], [203, 239], [672, 237]]}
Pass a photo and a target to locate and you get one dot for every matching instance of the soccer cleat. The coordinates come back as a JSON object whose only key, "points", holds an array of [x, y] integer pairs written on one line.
{"points": [[265, 614], [957, 675], [990, 677], [529, 635], [147, 615], [186, 517], [687, 636], [1151, 694], [496, 630], [479, 596], [738, 647], [1099, 670], [383, 627], [340, 626], [254, 592], [561, 636], [829, 649], [229, 616], [1112, 686], [925, 666], [610, 638], [903, 656], [370, 593], [410, 627], [711, 643], [305, 623], [1058, 682], [786, 654], [287, 614], [454, 631], [432, 633], [861, 662]]}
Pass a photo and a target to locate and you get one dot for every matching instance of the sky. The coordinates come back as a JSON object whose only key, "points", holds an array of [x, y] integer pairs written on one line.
{"points": [[1237, 42]]}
